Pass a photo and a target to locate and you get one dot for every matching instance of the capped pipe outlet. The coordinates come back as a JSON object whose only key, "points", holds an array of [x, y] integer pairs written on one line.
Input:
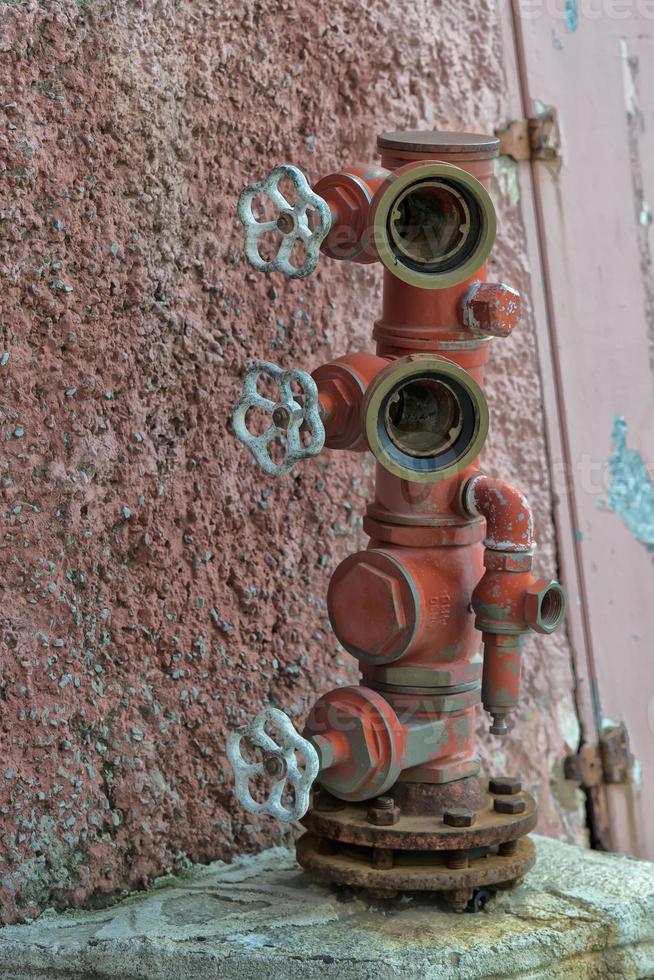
{"points": [[491, 309]]}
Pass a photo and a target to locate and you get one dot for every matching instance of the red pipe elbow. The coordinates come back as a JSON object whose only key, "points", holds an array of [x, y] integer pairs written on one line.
{"points": [[509, 520]]}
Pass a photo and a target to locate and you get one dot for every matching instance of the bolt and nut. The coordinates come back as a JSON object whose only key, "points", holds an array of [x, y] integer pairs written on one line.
{"points": [[504, 805], [504, 785], [281, 417], [275, 766], [457, 859], [286, 222], [459, 817], [383, 812], [382, 858]]}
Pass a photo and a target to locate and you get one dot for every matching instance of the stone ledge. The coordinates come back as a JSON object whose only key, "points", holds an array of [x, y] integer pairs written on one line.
{"points": [[579, 914]]}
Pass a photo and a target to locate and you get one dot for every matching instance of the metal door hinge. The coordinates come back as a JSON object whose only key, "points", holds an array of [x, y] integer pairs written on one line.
{"points": [[608, 763], [536, 138]]}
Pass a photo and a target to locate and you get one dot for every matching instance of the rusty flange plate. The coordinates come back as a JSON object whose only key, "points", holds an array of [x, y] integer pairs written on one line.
{"points": [[413, 871], [426, 833]]}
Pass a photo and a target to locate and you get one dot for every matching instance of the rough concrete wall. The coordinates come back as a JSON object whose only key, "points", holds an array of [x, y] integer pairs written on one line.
{"points": [[156, 588]]}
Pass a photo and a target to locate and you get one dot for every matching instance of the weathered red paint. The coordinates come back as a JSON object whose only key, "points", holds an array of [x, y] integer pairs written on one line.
{"points": [[491, 308], [342, 385], [415, 599], [134, 126], [348, 194], [509, 520], [409, 608]]}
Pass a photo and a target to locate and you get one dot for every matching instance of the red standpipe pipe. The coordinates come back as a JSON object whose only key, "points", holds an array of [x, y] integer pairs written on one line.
{"points": [[508, 601], [509, 520]]}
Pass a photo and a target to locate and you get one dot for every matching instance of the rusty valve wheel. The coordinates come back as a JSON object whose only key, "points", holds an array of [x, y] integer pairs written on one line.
{"points": [[292, 221], [279, 763], [289, 416]]}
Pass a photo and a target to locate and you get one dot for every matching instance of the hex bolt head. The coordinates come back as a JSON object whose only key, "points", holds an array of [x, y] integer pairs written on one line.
{"points": [[459, 817], [281, 417], [275, 766], [286, 222], [504, 785], [509, 805]]}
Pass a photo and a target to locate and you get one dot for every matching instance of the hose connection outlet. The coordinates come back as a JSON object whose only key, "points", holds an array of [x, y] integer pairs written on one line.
{"points": [[545, 605], [433, 224], [425, 418]]}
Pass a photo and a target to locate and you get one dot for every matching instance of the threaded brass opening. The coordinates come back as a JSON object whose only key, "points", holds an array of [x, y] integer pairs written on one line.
{"points": [[433, 224], [425, 418], [552, 608]]}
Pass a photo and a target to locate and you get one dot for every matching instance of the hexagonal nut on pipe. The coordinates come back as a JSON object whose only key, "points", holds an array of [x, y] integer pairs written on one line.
{"points": [[349, 201], [491, 309], [545, 605], [373, 608], [343, 425]]}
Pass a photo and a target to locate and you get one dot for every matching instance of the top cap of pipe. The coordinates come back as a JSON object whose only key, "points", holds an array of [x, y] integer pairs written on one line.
{"points": [[470, 146]]}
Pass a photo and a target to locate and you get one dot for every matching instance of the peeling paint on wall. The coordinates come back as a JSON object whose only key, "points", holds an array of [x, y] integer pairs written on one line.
{"points": [[571, 15], [631, 493], [635, 128], [507, 179]]}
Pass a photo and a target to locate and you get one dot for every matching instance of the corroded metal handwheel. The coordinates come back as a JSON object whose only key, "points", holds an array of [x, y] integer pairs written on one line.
{"points": [[289, 416], [307, 221], [279, 762]]}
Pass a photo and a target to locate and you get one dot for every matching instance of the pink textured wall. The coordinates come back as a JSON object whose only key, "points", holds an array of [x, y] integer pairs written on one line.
{"points": [[155, 587]]}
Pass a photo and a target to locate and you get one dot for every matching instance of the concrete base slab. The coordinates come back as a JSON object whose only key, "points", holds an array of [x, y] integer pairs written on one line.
{"points": [[579, 914]]}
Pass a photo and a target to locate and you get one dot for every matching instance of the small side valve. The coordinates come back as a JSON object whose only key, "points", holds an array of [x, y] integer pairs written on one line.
{"points": [[279, 763], [307, 221], [290, 419]]}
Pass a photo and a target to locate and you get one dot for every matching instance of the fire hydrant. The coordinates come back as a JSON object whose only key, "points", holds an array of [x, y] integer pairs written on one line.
{"points": [[398, 802]]}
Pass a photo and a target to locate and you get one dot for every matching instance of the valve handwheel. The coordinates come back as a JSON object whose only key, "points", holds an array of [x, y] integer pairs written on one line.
{"points": [[289, 417], [292, 221], [280, 760]]}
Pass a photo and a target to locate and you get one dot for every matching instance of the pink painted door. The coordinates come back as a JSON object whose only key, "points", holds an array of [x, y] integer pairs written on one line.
{"points": [[590, 240]]}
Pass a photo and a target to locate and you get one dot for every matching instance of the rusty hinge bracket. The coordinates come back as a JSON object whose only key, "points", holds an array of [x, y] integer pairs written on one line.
{"points": [[536, 138], [594, 767], [607, 763]]}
